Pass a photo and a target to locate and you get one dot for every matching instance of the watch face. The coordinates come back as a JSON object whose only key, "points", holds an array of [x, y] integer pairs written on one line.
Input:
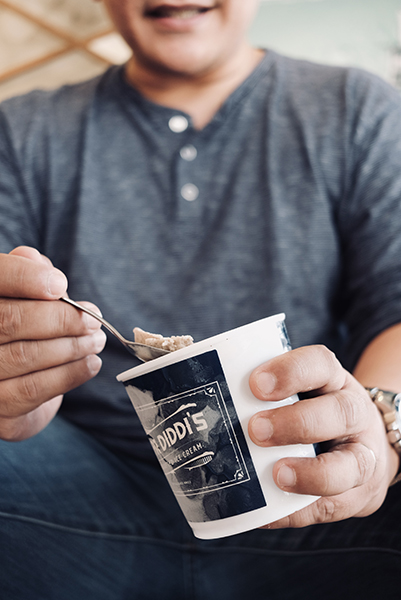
{"points": [[397, 406]]}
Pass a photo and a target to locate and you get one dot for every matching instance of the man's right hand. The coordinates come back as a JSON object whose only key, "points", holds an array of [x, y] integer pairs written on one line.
{"points": [[46, 347]]}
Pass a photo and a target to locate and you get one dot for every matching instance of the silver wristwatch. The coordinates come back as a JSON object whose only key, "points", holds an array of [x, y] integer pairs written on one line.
{"points": [[389, 405]]}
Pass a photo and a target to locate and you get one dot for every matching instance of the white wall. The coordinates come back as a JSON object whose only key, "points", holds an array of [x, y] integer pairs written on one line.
{"points": [[364, 33]]}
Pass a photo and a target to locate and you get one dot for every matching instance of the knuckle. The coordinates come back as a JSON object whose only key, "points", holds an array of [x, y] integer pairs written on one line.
{"points": [[10, 320], [62, 319], [76, 346], [11, 403], [312, 366], [366, 465], [296, 366], [20, 355], [27, 390], [325, 477], [328, 355], [74, 321], [325, 510], [289, 368], [307, 422], [353, 412], [332, 366]]}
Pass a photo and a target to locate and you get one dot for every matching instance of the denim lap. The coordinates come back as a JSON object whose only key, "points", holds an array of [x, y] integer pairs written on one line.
{"points": [[78, 521]]}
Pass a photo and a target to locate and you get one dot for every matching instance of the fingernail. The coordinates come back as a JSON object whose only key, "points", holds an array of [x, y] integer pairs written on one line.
{"points": [[99, 340], [56, 284], [286, 477], [262, 429], [94, 364], [265, 382]]}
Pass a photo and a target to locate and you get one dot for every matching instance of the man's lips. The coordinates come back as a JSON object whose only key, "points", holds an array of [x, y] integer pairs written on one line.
{"points": [[169, 11]]}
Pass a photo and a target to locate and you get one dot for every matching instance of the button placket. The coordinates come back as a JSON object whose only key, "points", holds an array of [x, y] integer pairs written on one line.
{"points": [[188, 191]]}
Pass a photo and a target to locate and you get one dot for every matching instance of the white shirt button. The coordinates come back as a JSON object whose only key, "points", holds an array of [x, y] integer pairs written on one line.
{"points": [[188, 152], [178, 123], [189, 192]]}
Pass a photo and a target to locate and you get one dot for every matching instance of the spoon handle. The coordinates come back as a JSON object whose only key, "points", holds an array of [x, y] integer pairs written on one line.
{"points": [[141, 351], [90, 312]]}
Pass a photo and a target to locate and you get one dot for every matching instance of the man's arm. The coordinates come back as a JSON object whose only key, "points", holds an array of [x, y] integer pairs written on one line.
{"points": [[380, 363], [353, 473]]}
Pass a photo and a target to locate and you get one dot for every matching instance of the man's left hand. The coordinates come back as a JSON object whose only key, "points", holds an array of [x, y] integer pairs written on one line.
{"points": [[354, 471]]}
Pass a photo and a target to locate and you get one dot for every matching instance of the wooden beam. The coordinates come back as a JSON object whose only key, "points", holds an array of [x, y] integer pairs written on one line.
{"points": [[71, 43], [71, 39]]}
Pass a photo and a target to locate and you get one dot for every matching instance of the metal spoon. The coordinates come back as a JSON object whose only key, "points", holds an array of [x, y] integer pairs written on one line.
{"points": [[141, 351]]}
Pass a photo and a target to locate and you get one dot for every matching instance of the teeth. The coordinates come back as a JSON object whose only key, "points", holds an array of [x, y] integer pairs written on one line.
{"points": [[185, 14], [176, 12]]}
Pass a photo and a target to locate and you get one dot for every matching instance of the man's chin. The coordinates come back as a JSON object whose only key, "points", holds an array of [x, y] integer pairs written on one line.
{"points": [[178, 62]]}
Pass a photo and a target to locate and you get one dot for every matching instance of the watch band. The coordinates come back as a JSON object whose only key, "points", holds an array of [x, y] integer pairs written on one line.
{"points": [[388, 404]]}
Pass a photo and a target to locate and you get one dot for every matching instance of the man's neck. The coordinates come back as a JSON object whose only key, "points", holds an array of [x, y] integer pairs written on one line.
{"points": [[199, 96]]}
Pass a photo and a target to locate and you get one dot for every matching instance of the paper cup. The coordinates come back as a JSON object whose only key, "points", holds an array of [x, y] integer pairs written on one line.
{"points": [[194, 405]]}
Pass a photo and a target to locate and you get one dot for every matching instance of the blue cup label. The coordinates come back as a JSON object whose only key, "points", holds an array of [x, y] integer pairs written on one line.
{"points": [[189, 417]]}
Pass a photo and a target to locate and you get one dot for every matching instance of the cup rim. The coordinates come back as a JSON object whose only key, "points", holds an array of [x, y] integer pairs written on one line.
{"points": [[191, 350]]}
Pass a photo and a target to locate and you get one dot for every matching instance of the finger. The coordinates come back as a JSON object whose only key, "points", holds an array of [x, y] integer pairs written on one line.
{"points": [[324, 510], [314, 420], [334, 472], [20, 358], [32, 254], [25, 426], [23, 277], [301, 370], [21, 395], [329, 509], [38, 320]]}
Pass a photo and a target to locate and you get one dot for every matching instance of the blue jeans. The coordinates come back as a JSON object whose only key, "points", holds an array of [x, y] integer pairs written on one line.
{"points": [[79, 522]]}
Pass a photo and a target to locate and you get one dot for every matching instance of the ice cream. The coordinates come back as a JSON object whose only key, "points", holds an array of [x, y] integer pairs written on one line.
{"points": [[175, 342]]}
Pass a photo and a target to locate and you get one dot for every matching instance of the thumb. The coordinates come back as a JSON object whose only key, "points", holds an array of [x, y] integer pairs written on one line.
{"points": [[32, 254], [25, 273]]}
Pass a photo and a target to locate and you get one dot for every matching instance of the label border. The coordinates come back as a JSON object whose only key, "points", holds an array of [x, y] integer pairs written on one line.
{"points": [[230, 430]]}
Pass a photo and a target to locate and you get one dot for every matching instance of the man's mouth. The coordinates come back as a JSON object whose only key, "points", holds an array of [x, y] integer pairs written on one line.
{"points": [[166, 11]]}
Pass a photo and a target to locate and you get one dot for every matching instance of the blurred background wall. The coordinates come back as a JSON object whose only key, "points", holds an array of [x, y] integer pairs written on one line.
{"points": [[46, 43], [363, 33]]}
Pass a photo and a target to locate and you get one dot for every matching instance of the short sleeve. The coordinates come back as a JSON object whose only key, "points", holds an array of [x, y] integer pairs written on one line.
{"points": [[370, 216]]}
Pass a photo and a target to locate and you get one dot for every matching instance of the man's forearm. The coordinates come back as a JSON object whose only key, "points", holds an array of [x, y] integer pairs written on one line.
{"points": [[380, 363]]}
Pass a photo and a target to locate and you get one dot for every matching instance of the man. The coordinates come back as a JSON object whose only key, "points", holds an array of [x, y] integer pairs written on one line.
{"points": [[205, 185]]}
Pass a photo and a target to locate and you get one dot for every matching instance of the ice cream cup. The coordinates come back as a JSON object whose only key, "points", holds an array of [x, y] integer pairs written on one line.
{"points": [[194, 405]]}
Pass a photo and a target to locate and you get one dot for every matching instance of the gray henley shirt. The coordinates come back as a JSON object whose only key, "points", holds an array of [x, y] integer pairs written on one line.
{"points": [[288, 200]]}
